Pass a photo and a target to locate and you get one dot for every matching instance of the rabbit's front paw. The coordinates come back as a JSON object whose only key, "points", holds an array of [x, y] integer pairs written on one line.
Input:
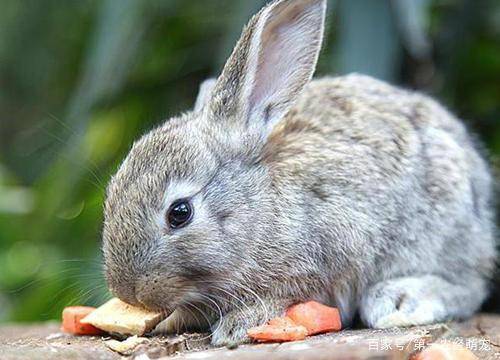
{"points": [[232, 327], [402, 302]]}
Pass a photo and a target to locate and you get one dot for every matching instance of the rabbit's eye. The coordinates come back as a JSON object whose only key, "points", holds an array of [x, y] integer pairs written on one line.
{"points": [[179, 214]]}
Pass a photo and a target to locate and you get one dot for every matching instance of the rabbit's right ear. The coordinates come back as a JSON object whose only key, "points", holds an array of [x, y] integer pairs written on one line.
{"points": [[272, 62]]}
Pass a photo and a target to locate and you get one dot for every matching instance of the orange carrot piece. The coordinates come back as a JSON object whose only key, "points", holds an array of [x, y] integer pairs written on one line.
{"points": [[278, 330], [315, 317], [71, 317], [282, 321]]}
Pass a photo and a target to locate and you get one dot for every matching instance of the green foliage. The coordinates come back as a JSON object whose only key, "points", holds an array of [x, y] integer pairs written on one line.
{"points": [[82, 79]]}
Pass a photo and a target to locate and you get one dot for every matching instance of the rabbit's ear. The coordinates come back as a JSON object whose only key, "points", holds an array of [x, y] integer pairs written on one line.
{"points": [[272, 62], [204, 94]]}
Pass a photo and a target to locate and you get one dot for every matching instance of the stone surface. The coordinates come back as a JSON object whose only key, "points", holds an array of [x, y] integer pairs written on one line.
{"points": [[46, 341], [481, 334]]}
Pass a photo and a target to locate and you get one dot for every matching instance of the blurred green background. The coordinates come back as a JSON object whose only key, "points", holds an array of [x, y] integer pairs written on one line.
{"points": [[80, 80]]}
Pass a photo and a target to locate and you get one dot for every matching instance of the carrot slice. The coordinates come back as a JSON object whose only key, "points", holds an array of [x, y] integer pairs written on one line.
{"points": [[282, 321], [71, 317], [315, 317], [278, 330]]}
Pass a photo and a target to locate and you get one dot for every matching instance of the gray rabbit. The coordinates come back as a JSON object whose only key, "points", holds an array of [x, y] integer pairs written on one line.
{"points": [[277, 189]]}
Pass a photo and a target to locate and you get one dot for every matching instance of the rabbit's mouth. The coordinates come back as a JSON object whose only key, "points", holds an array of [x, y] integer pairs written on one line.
{"points": [[153, 291]]}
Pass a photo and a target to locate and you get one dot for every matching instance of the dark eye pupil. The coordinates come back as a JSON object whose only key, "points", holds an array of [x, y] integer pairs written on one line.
{"points": [[179, 214]]}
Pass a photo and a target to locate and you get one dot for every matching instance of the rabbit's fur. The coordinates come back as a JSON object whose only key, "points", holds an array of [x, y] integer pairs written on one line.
{"points": [[344, 190]]}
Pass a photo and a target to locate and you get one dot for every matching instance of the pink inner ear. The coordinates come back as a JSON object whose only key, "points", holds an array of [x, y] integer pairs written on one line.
{"points": [[286, 58]]}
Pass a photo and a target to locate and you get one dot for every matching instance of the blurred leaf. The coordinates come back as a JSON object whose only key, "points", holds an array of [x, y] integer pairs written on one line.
{"points": [[411, 16], [368, 40]]}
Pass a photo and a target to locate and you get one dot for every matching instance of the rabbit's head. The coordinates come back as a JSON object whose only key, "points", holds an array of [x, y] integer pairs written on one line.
{"points": [[189, 208]]}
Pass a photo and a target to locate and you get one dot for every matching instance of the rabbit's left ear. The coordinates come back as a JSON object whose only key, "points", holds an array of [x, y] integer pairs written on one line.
{"points": [[274, 59]]}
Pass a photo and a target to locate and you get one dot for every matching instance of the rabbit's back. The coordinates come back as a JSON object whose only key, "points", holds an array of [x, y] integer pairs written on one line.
{"points": [[393, 165]]}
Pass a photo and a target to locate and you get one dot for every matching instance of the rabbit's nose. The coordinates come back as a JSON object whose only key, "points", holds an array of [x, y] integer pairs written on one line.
{"points": [[126, 294], [150, 293]]}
